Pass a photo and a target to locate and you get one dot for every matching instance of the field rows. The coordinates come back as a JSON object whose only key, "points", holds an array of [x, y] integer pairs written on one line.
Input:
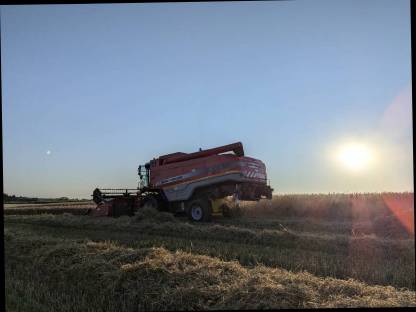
{"points": [[56, 259], [59, 274], [368, 258]]}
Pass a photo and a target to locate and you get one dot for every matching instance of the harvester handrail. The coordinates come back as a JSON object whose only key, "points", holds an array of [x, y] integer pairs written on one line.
{"points": [[117, 191]]}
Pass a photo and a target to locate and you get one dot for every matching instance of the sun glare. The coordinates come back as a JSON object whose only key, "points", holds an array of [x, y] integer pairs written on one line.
{"points": [[355, 156]]}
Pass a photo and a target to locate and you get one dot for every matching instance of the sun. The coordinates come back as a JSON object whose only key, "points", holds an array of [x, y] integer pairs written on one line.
{"points": [[355, 157]]}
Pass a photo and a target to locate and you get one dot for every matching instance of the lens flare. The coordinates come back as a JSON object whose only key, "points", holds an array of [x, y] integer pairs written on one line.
{"points": [[355, 156]]}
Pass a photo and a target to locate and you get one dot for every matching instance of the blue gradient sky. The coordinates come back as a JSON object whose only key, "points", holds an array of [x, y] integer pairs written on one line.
{"points": [[107, 87]]}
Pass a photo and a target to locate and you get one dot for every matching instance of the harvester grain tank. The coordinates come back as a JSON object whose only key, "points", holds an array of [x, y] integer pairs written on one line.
{"points": [[201, 184]]}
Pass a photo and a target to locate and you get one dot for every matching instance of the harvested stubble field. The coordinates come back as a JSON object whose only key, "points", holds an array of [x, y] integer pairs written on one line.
{"points": [[79, 207], [297, 251]]}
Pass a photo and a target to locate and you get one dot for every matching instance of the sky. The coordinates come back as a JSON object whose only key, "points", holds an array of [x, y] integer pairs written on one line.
{"points": [[91, 91]]}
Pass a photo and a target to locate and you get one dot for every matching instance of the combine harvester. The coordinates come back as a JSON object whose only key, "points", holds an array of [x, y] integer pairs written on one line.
{"points": [[199, 184]]}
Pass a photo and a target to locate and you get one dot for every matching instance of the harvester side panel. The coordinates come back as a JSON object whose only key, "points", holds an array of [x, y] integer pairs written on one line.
{"points": [[162, 176], [179, 180], [193, 169], [184, 191]]}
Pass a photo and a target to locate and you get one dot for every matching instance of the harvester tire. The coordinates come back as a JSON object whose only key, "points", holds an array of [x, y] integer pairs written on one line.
{"points": [[226, 211], [237, 212], [199, 210], [229, 212], [151, 202]]}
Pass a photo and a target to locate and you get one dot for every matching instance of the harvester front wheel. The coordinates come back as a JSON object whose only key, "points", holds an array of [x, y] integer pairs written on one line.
{"points": [[199, 210], [226, 211], [151, 202], [229, 212]]}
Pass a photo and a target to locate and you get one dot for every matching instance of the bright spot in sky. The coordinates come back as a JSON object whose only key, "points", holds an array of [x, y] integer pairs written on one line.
{"points": [[355, 156], [48, 152]]}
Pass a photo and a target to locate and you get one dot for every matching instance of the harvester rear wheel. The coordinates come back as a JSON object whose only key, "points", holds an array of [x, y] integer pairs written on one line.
{"points": [[199, 210]]}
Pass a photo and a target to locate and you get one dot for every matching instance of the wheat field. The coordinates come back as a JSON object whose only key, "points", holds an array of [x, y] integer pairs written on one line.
{"points": [[295, 251]]}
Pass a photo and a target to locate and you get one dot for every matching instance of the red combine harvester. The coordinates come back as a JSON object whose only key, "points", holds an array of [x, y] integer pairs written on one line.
{"points": [[200, 184]]}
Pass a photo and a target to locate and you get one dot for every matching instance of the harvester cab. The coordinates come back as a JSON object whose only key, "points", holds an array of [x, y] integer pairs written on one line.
{"points": [[196, 183], [144, 175]]}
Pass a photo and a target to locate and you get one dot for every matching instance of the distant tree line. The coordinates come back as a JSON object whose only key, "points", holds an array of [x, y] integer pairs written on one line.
{"points": [[24, 199], [14, 198]]}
